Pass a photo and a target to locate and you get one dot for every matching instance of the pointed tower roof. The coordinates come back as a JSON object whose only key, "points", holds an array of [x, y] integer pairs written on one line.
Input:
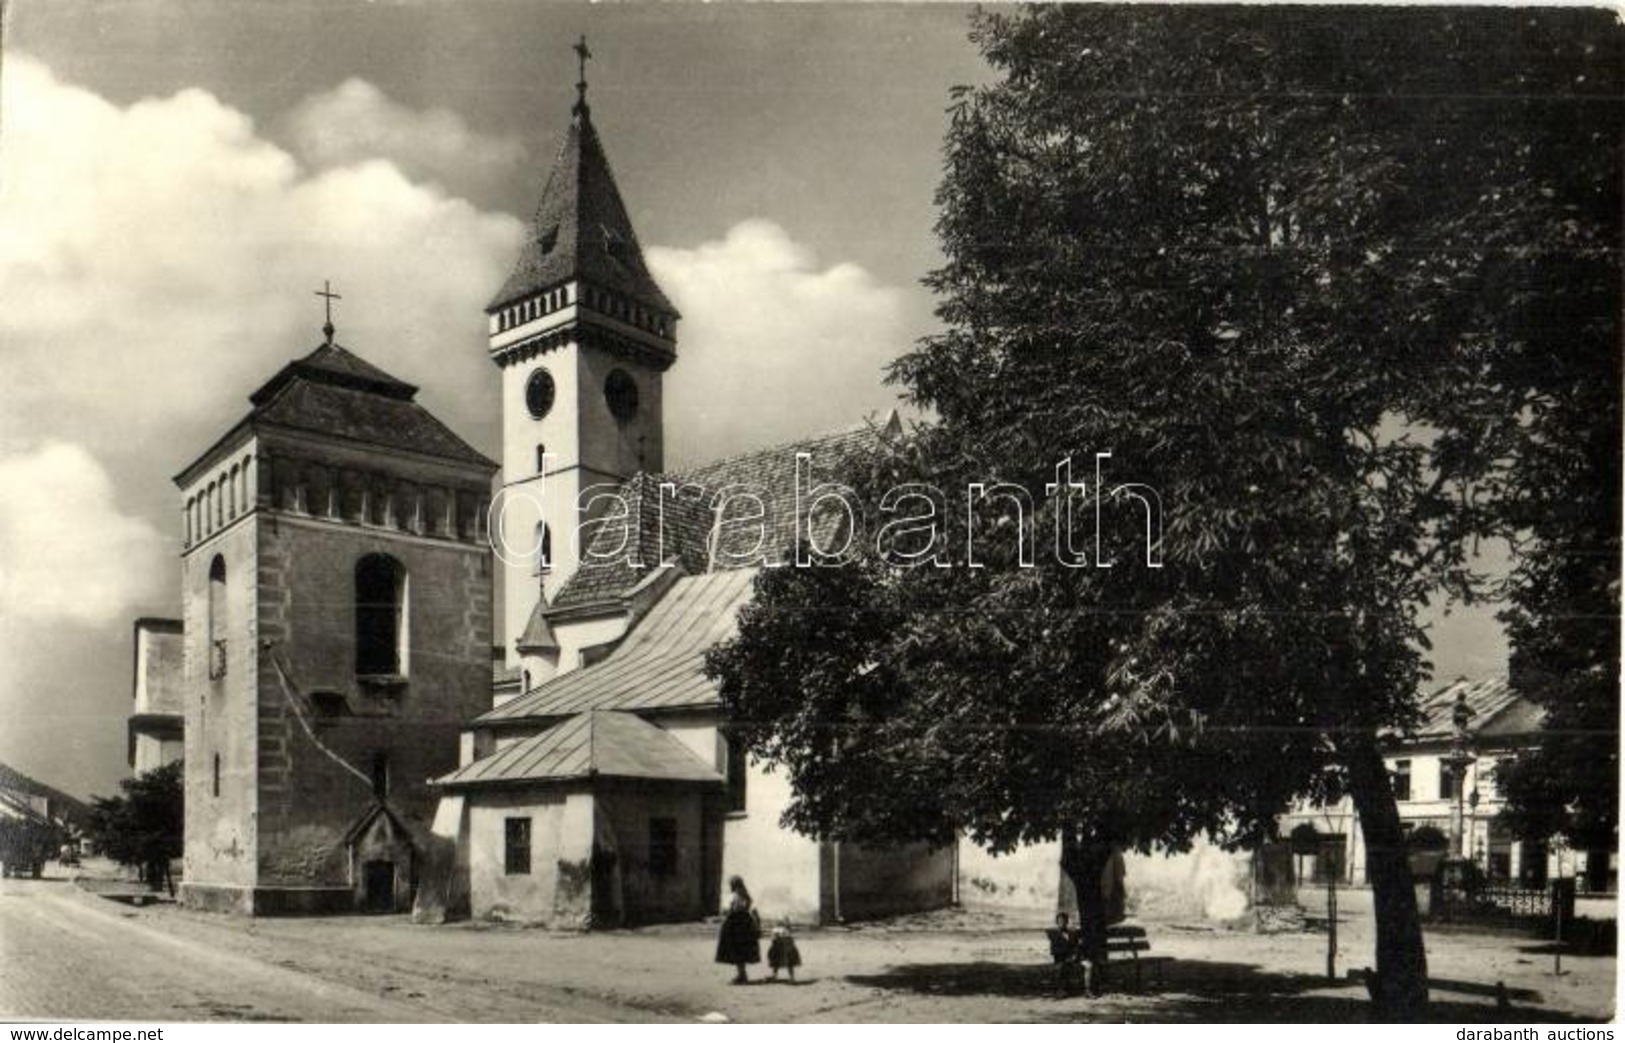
{"points": [[334, 393], [581, 229]]}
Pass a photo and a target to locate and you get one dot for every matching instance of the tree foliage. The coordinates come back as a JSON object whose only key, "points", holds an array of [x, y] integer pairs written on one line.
{"points": [[1293, 270], [143, 827]]}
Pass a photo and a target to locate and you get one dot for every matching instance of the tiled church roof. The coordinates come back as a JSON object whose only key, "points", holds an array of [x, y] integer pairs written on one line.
{"points": [[661, 663], [680, 527], [334, 392], [581, 229], [592, 744]]}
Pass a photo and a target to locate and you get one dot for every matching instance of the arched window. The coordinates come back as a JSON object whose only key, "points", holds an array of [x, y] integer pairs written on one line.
{"points": [[186, 522], [217, 617], [543, 548], [380, 616], [236, 482]]}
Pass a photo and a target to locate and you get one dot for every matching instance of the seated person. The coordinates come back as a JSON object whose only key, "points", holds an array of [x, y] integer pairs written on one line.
{"points": [[1063, 941]]}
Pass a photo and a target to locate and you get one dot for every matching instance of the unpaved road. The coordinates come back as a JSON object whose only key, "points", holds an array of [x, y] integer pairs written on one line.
{"points": [[66, 954]]}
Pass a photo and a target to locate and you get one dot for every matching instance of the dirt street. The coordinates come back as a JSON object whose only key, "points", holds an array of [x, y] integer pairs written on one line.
{"points": [[66, 953]]}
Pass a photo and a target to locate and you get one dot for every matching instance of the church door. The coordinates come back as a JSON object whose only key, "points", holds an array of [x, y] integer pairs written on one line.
{"points": [[380, 887]]}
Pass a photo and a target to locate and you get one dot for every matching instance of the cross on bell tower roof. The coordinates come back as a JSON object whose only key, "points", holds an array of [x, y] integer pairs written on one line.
{"points": [[326, 292], [582, 55]]}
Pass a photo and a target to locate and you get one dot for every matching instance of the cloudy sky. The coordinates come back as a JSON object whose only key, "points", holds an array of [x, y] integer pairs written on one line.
{"points": [[178, 176]]}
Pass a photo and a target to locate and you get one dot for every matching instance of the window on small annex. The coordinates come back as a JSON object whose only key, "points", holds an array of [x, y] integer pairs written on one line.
{"points": [[380, 616], [1449, 784], [516, 846], [1402, 780], [217, 618], [735, 774], [662, 847]]}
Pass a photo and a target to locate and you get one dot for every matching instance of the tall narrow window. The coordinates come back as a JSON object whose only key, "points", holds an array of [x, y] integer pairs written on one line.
{"points": [[380, 616], [217, 774], [736, 774], [217, 618], [1449, 784], [380, 774], [1402, 780], [516, 846], [544, 548]]}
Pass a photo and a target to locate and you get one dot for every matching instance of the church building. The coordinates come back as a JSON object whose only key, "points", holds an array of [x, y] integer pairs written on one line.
{"points": [[365, 729], [602, 788]]}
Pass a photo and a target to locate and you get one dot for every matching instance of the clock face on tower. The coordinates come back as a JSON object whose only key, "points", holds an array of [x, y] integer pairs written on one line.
{"points": [[539, 393], [621, 394]]}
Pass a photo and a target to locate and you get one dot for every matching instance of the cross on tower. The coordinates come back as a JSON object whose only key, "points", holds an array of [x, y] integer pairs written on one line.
{"points": [[582, 54], [327, 292]]}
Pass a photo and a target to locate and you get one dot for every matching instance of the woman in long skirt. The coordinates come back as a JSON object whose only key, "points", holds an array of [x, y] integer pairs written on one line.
{"points": [[738, 941]]}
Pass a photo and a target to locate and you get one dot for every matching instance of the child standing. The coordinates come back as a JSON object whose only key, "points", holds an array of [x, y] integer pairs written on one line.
{"points": [[782, 953]]}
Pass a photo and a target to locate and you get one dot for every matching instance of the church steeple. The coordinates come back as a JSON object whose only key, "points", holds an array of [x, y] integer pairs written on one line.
{"points": [[583, 335], [581, 233]]}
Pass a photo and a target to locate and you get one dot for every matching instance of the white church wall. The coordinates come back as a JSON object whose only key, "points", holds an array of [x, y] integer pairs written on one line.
{"points": [[779, 867], [699, 736], [575, 636], [1205, 884], [1024, 881], [561, 831]]}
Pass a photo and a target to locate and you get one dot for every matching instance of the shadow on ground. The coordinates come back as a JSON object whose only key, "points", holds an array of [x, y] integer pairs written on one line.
{"points": [[1193, 991]]}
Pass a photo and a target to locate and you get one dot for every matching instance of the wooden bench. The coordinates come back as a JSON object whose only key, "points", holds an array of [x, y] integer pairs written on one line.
{"points": [[1130, 938], [1067, 952]]}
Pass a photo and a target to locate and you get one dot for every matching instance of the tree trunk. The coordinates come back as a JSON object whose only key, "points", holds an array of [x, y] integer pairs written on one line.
{"points": [[1400, 986], [1084, 860]]}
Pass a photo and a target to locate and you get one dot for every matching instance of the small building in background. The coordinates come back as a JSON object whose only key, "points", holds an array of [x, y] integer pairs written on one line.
{"points": [[157, 717]]}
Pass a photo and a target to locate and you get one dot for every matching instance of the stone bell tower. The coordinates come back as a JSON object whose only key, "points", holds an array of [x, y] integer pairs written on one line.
{"points": [[582, 335]]}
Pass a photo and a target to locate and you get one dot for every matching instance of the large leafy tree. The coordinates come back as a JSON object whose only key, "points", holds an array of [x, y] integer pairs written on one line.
{"points": [[145, 826], [1287, 267]]}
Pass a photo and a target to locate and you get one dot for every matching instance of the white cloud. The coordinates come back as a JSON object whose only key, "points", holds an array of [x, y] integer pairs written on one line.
{"points": [[67, 553], [356, 121], [771, 347], [159, 261]]}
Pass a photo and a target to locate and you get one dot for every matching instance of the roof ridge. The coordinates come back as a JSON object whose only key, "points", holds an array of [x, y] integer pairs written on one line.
{"points": [[860, 427]]}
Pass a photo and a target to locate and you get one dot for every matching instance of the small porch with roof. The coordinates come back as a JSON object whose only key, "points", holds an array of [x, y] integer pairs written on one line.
{"points": [[602, 820]]}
